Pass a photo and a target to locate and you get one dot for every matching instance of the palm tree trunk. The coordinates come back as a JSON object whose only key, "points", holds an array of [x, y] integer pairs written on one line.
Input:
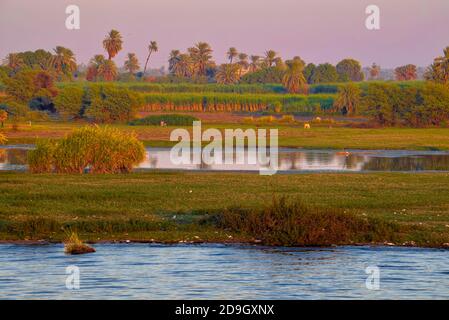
{"points": [[146, 63]]}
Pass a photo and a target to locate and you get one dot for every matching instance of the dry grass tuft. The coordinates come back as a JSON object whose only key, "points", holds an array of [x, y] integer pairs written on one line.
{"points": [[73, 245]]}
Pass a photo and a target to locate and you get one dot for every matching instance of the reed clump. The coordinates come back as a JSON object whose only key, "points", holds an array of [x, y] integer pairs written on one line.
{"points": [[98, 149], [41, 159], [287, 223], [73, 245]]}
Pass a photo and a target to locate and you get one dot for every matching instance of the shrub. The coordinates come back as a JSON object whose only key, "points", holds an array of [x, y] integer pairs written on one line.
{"points": [[29, 84], [109, 103], [266, 75], [168, 119], [102, 150], [15, 110], [295, 224], [392, 104], [3, 139], [69, 102]]}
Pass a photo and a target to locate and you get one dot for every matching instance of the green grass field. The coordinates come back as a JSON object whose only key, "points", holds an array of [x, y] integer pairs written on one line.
{"points": [[143, 206]]}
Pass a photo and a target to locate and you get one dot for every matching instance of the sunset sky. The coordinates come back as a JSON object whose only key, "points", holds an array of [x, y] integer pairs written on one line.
{"points": [[412, 31]]}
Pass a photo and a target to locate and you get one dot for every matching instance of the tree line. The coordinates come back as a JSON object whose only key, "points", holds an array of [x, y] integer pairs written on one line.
{"points": [[196, 65]]}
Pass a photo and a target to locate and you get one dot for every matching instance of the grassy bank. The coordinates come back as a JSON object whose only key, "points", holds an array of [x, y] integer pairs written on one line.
{"points": [[320, 136], [170, 206]]}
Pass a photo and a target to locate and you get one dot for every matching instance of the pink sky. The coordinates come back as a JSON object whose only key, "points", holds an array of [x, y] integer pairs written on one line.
{"points": [[412, 31]]}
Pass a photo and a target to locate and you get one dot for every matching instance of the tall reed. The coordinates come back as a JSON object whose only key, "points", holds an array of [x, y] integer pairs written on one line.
{"points": [[99, 149]]}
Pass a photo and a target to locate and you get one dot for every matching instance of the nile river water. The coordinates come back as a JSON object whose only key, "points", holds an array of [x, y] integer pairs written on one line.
{"points": [[209, 271]]}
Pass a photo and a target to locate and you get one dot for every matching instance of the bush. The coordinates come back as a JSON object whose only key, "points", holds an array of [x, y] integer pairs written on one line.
{"points": [[110, 103], [29, 84], [14, 109], [3, 139], [69, 102], [416, 106], [102, 150], [168, 119], [265, 75], [295, 224]]}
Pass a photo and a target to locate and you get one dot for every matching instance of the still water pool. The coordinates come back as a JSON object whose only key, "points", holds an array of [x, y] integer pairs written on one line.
{"points": [[290, 160], [212, 271]]}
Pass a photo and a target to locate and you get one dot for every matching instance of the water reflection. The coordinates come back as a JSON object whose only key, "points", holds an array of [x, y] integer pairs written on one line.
{"points": [[290, 160]]}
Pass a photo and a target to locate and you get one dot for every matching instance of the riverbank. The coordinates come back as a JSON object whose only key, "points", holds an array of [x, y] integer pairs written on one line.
{"points": [[172, 207]]}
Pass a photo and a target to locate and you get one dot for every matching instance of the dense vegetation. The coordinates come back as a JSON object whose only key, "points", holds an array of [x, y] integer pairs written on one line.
{"points": [[40, 84], [389, 104], [101, 150], [285, 223], [236, 103]]}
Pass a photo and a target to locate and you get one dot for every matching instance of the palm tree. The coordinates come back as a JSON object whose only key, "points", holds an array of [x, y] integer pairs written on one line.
{"points": [[63, 60], [348, 99], [201, 55], [113, 43], [173, 59], [294, 80], [270, 57], [107, 70], [227, 73], [132, 63], [254, 65], [439, 70], [102, 68], [407, 72], [232, 53], [243, 63], [94, 65], [152, 47], [14, 61], [184, 67]]}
